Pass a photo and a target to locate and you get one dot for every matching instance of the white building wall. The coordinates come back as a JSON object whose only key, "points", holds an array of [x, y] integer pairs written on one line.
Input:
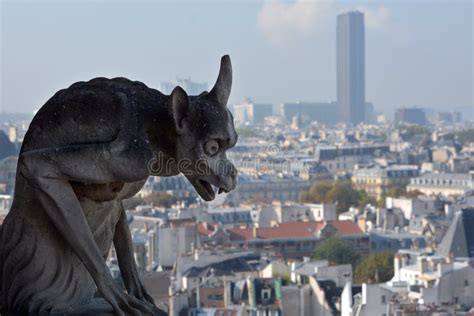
{"points": [[411, 207], [267, 216], [323, 212], [441, 282], [275, 268], [374, 300], [456, 287], [172, 242], [341, 274]]}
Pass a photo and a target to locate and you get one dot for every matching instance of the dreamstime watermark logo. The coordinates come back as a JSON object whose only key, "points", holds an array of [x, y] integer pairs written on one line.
{"points": [[269, 159], [159, 165], [273, 149]]}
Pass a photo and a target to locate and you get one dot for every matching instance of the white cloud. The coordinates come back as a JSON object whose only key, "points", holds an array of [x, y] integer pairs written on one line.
{"points": [[281, 21], [375, 18]]}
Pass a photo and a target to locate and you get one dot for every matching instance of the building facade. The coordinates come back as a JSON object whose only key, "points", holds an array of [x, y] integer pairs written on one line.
{"points": [[376, 181], [411, 115], [323, 112], [251, 113], [444, 184], [351, 66], [341, 158]]}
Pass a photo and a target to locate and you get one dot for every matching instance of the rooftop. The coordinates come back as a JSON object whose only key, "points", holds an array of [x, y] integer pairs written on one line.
{"points": [[294, 230], [459, 239]]}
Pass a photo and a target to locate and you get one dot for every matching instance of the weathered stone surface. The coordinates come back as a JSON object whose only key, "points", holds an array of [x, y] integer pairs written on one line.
{"points": [[90, 146]]}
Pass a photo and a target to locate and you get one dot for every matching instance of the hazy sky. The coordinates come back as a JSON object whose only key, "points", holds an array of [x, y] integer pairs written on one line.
{"points": [[417, 52]]}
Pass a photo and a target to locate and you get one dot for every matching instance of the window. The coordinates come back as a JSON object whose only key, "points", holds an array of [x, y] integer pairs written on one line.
{"points": [[383, 299], [215, 297], [265, 294]]}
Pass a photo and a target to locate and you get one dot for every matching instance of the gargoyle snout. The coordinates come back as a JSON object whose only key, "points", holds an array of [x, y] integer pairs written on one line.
{"points": [[227, 174]]}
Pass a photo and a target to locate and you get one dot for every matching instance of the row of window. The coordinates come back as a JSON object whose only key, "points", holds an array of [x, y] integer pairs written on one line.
{"points": [[231, 217], [442, 182]]}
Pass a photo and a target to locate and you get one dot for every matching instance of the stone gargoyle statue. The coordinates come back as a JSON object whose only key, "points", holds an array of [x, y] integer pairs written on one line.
{"points": [[88, 148]]}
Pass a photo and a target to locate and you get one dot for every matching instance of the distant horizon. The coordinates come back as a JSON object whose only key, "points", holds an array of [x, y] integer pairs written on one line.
{"points": [[282, 51], [464, 110]]}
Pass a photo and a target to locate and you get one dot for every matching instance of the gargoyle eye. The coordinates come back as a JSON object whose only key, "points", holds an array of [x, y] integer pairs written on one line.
{"points": [[211, 147]]}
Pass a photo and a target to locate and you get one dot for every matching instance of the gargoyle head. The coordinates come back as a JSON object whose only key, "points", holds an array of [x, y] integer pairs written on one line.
{"points": [[205, 129]]}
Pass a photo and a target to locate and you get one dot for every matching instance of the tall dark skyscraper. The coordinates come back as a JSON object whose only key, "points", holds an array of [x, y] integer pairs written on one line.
{"points": [[351, 66]]}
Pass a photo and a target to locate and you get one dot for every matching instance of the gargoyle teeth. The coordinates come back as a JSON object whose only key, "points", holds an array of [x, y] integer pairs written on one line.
{"points": [[222, 190]]}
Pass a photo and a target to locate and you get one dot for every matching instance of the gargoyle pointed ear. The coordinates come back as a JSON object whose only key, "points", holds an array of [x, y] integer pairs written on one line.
{"points": [[221, 90], [179, 106]]}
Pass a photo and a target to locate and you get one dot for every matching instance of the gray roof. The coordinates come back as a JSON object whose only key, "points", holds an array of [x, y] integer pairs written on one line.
{"points": [[186, 264], [448, 176], [459, 239], [309, 268]]}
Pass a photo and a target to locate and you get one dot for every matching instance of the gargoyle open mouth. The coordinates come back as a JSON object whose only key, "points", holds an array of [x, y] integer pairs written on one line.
{"points": [[206, 190]]}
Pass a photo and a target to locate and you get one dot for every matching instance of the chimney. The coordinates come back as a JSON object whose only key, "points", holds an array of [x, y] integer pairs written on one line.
{"points": [[397, 262], [151, 248], [415, 245], [450, 258], [439, 269], [404, 261], [422, 265], [430, 247], [294, 277], [448, 211], [196, 254], [361, 222], [379, 217], [254, 232]]}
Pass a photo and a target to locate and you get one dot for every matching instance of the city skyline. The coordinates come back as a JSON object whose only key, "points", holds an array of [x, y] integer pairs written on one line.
{"points": [[276, 59], [327, 169]]}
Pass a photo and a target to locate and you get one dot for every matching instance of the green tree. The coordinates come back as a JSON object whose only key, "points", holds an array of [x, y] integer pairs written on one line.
{"points": [[396, 191], [382, 201], [285, 277], [336, 250], [412, 194], [340, 192], [365, 199], [159, 199], [413, 129], [317, 193], [345, 196], [131, 203], [377, 267]]}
